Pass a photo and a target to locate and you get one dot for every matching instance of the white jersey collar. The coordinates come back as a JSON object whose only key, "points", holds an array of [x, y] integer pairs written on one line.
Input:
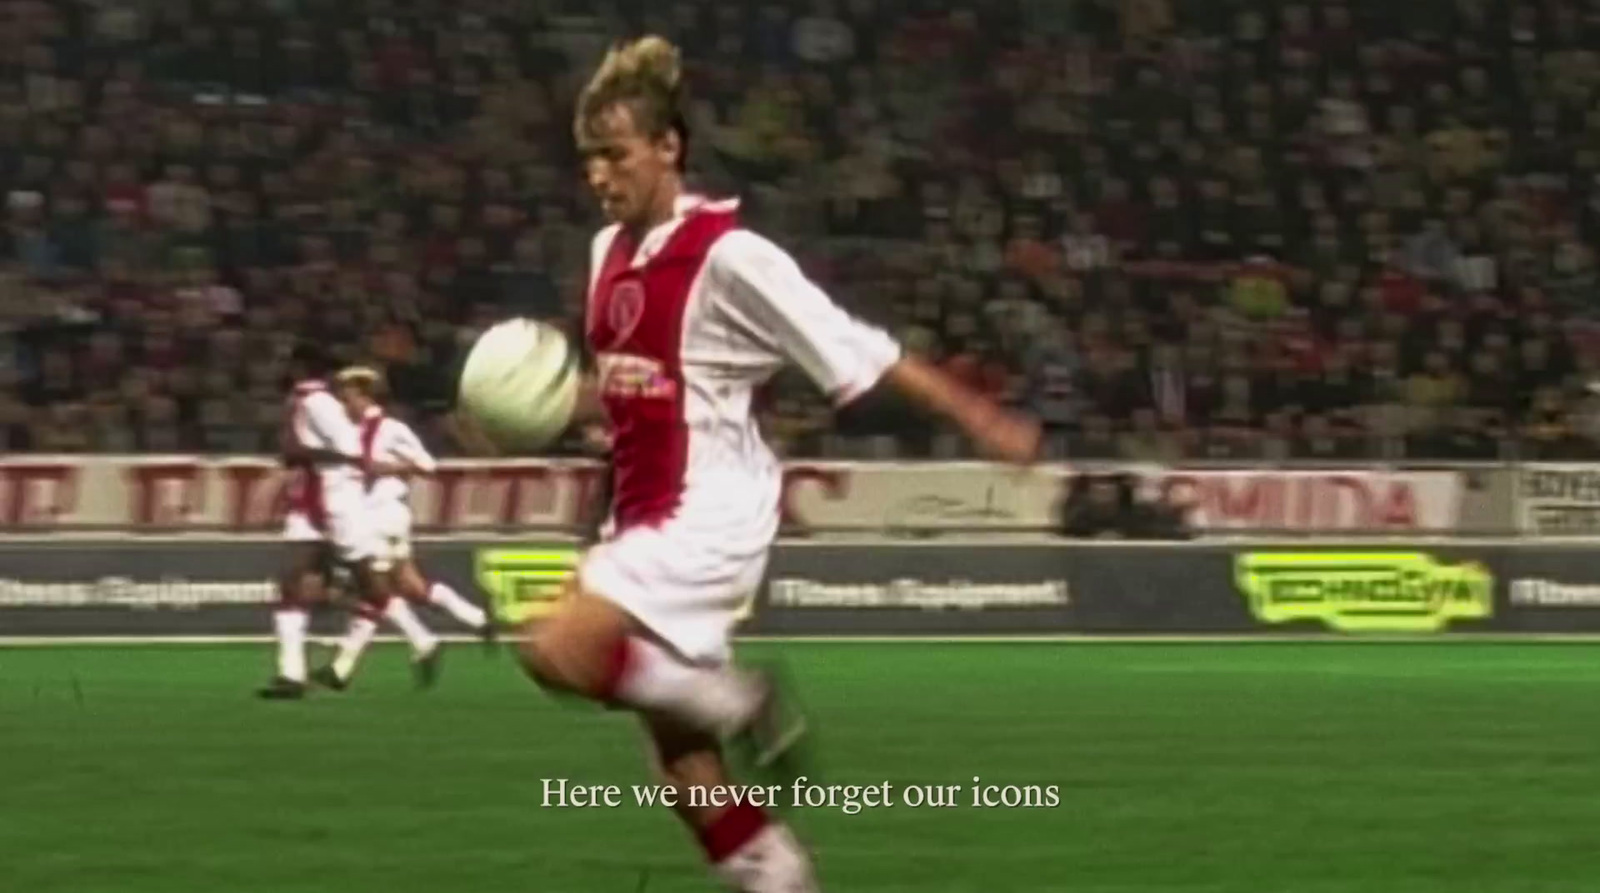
{"points": [[684, 205]]}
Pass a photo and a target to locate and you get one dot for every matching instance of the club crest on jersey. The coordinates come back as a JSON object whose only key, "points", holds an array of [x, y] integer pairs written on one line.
{"points": [[629, 376], [624, 309]]}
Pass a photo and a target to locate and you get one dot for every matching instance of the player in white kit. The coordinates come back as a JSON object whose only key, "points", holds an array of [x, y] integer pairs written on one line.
{"points": [[688, 312], [327, 525], [388, 441]]}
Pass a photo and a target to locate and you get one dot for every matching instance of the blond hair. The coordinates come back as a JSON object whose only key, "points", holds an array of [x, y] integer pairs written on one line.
{"points": [[366, 379], [646, 75]]}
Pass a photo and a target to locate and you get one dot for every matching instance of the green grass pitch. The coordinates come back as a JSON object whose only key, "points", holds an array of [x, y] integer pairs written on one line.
{"points": [[1211, 768]]}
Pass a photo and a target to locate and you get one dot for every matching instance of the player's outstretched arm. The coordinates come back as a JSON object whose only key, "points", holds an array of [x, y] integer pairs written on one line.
{"points": [[588, 409], [768, 297], [468, 435], [393, 468], [410, 456], [309, 456], [998, 432]]}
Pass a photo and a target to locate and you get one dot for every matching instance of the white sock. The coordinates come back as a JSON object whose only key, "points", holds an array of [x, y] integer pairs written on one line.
{"points": [[442, 595], [421, 638], [355, 643], [290, 625], [772, 862], [716, 700]]}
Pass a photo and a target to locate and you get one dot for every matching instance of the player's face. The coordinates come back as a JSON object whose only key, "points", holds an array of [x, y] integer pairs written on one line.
{"points": [[629, 170], [353, 400]]}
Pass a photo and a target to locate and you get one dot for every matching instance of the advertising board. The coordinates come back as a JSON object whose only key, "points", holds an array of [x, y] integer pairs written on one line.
{"points": [[247, 495], [1558, 500], [816, 589], [1364, 592], [1553, 588]]}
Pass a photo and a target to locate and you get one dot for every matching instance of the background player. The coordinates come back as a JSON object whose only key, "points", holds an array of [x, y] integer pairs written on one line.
{"points": [[322, 451], [389, 442], [688, 313], [327, 523]]}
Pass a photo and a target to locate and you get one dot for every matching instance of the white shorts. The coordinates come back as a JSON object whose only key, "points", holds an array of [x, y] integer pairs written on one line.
{"points": [[392, 523], [349, 532], [689, 588]]}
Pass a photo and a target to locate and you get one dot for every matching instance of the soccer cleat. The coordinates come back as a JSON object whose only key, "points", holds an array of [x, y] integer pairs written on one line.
{"points": [[772, 862], [772, 738], [282, 689], [329, 678], [426, 667]]}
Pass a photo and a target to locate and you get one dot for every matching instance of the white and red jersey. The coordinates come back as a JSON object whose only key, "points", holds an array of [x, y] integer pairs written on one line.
{"points": [[387, 439], [316, 420], [685, 323]]}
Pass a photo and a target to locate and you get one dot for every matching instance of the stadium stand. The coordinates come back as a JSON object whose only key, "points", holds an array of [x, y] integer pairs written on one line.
{"points": [[1238, 229]]}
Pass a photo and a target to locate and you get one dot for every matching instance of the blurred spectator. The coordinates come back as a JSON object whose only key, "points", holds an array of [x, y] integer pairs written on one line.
{"points": [[1147, 441], [1109, 506], [1094, 508], [1173, 230]]}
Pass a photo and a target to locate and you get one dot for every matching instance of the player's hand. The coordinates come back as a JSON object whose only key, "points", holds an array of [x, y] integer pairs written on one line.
{"points": [[589, 408], [295, 457], [598, 438], [1007, 436], [469, 435], [998, 432]]}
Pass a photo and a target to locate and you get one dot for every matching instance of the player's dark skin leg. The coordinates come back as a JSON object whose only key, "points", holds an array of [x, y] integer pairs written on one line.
{"points": [[685, 758], [370, 586], [297, 585], [409, 582], [301, 585]]}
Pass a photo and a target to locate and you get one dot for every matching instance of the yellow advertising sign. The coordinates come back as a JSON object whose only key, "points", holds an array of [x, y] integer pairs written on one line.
{"points": [[524, 584], [1364, 592]]}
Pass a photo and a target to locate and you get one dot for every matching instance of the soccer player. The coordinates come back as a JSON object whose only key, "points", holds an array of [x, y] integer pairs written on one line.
{"points": [[687, 313], [327, 524], [388, 441]]}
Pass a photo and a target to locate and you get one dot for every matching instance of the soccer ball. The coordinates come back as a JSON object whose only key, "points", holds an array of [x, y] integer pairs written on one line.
{"points": [[520, 384]]}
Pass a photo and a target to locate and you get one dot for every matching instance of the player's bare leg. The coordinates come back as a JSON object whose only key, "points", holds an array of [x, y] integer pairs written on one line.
{"points": [[425, 647], [591, 648], [363, 627], [299, 587], [377, 605], [413, 586], [748, 850]]}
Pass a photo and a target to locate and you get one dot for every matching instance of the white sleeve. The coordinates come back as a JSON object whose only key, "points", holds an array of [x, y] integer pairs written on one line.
{"points": [[766, 294], [327, 419], [408, 447]]}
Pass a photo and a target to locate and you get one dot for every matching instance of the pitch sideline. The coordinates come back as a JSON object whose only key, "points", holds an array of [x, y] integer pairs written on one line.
{"points": [[1058, 638]]}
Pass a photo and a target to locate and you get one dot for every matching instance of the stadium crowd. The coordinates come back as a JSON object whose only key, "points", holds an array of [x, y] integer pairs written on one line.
{"points": [[1236, 229]]}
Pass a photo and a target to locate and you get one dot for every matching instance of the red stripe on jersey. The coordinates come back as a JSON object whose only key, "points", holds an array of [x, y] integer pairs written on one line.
{"points": [[369, 436], [635, 330]]}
